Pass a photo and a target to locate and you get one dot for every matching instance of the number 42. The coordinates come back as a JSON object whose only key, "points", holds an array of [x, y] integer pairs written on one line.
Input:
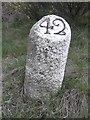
{"points": [[61, 32]]}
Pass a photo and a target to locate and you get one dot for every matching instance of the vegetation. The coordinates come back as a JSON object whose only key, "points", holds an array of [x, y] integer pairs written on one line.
{"points": [[71, 100]]}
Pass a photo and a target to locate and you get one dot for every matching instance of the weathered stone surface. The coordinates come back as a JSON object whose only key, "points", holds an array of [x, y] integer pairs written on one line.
{"points": [[48, 46]]}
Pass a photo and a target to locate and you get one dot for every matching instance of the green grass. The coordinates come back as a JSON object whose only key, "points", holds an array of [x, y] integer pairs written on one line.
{"points": [[18, 63], [83, 112], [15, 39]]}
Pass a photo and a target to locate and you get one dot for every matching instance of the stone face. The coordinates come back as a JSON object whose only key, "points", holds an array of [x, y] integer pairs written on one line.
{"points": [[48, 46]]}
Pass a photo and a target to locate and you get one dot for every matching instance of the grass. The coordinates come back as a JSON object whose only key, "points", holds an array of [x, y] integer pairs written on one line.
{"points": [[83, 112], [15, 38], [14, 50], [14, 63]]}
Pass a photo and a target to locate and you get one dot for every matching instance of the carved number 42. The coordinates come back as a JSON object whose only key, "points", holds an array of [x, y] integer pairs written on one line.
{"points": [[61, 32]]}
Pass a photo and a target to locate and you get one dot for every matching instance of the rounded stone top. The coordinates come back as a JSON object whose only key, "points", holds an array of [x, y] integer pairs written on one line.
{"points": [[52, 27]]}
